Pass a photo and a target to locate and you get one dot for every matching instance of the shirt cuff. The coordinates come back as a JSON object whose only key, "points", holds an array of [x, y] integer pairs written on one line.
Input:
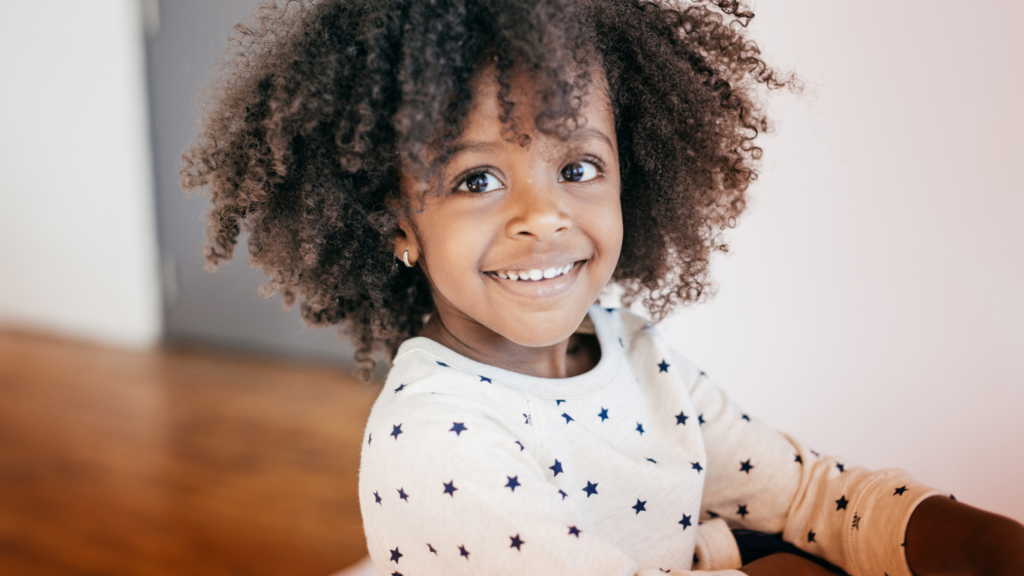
{"points": [[881, 511], [716, 547]]}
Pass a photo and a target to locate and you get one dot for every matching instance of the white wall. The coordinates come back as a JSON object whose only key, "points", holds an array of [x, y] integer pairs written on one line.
{"points": [[873, 303], [77, 228]]}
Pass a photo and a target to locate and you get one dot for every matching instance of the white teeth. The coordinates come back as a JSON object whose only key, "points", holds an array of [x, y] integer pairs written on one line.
{"points": [[535, 274]]}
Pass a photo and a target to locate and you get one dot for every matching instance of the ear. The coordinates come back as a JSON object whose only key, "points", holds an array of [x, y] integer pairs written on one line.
{"points": [[406, 239]]}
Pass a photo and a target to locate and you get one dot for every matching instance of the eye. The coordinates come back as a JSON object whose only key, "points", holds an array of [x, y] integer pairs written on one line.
{"points": [[578, 172], [480, 182]]}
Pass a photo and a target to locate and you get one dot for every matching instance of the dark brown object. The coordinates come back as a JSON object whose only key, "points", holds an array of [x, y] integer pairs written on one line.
{"points": [[175, 462]]}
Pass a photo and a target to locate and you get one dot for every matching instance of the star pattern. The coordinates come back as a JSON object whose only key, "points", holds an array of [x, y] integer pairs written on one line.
{"points": [[458, 428], [400, 388], [742, 511], [463, 552], [403, 495], [370, 440], [557, 468], [574, 531], [700, 419], [840, 467], [395, 555], [396, 430], [431, 548], [377, 498], [746, 466], [439, 363], [639, 506], [640, 428], [521, 447], [591, 489], [485, 379], [513, 482], [696, 466], [567, 417], [899, 491], [745, 417], [527, 417], [798, 459], [686, 522], [559, 402], [516, 542], [603, 414], [449, 488], [652, 460], [663, 366], [841, 503], [681, 419], [810, 536], [562, 492]]}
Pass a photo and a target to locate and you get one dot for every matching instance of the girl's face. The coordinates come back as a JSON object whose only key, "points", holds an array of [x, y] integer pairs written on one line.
{"points": [[526, 237]]}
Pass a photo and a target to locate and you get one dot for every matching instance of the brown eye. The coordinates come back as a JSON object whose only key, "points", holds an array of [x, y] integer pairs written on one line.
{"points": [[578, 172], [480, 182]]}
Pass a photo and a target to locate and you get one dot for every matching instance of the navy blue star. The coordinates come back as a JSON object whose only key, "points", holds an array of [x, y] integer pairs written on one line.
{"points": [[463, 552], [396, 430], [798, 459], [439, 363], [574, 531], [458, 428], [370, 441], [521, 447], [513, 481], [377, 498], [396, 573], [431, 548], [591, 489], [840, 466], [696, 466], [745, 417], [403, 495], [663, 366], [712, 514], [686, 522], [900, 491], [559, 402], [700, 419], [621, 344], [652, 460], [951, 497], [400, 388], [449, 488], [557, 467], [841, 503], [485, 379], [640, 428], [681, 419], [742, 511], [639, 506], [810, 536], [516, 542], [527, 416], [563, 494], [395, 555], [567, 417], [603, 414], [610, 310], [815, 453], [746, 466]]}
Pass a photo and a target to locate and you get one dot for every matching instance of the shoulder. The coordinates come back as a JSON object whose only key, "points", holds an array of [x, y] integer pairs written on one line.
{"points": [[648, 351]]}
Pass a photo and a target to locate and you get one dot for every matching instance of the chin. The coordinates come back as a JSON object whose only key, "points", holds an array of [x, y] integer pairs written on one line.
{"points": [[544, 329]]}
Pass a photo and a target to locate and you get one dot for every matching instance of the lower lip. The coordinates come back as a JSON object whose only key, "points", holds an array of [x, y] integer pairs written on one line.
{"points": [[546, 288]]}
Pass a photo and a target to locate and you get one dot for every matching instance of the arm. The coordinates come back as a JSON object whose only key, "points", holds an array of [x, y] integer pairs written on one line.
{"points": [[947, 537]]}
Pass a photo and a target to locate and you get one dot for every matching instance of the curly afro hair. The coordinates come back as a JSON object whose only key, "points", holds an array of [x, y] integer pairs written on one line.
{"points": [[321, 105]]}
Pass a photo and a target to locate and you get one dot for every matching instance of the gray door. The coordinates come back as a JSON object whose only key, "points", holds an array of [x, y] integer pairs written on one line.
{"points": [[222, 308]]}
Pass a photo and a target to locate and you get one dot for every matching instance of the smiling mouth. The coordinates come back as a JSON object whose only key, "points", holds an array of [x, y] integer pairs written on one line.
{"points": [[534, 275]]}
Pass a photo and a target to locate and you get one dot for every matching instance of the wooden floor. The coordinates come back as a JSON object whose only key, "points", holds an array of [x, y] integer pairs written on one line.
{"points": [[175, 462]]}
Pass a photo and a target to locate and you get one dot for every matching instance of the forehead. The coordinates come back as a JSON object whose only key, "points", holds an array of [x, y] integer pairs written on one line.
{"points": [[483, 122]]}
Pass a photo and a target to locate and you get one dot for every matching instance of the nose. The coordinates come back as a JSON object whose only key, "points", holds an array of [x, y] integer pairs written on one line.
{"points": [[536, 213]]}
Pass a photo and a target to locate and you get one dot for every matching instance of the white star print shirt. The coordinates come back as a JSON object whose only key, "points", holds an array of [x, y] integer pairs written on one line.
{"points": [[639, 467]]}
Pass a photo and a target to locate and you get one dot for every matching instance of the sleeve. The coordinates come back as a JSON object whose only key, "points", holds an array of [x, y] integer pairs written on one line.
{"points": [[447, 490], [761, 479]]}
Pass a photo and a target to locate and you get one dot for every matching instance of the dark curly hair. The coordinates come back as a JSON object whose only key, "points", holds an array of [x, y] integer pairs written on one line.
{"points": [[322, 105]]}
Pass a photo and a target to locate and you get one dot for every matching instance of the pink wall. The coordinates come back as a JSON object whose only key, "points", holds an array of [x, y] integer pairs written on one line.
{"points": [[873, 303]]}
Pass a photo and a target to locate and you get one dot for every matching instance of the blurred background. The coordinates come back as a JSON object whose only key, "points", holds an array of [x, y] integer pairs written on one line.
{"points": [[158, 419]]}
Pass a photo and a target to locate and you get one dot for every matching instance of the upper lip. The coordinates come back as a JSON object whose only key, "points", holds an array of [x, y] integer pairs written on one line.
{"points": [[537, 263]]}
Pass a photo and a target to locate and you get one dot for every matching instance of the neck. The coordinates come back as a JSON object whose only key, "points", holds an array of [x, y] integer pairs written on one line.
{"points": [[570, 357]]}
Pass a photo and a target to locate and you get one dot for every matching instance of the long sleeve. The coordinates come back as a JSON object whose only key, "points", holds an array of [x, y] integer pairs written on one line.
{"points": [[764, 480]]}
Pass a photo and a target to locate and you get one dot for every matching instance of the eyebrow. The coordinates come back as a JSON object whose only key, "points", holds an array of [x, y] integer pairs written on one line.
{"points": [[577, 135]]}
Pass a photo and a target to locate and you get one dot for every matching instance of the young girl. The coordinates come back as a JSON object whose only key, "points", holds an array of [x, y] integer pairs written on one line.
{"points": [[456, 183]]}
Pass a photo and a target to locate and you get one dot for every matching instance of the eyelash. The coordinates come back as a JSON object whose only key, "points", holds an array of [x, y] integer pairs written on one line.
{"points": [[597, 162]]}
